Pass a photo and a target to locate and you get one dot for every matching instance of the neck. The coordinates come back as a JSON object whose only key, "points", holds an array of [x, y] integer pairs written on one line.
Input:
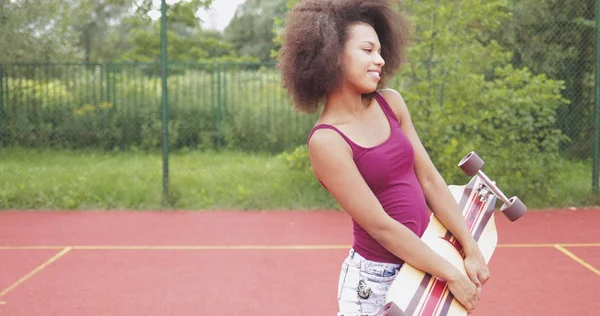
{"points": [[345, 101]]}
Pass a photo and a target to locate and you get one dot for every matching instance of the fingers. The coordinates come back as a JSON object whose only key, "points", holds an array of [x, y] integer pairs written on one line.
{"points": [[474, 276], [471, 304], [472, 299], [483, 275], [466, 292], [479, 278]]}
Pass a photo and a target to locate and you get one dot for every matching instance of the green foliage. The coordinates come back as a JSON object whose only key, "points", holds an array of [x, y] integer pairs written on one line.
{"points": [[509, 121], [297, 159], [114, 107], [461, 102], [199, 180], [103, 30], [258, 117], [90, 179], [250, 30], [278, 24], [187, 42], [37, 31], [557, 38], [194, 47]]}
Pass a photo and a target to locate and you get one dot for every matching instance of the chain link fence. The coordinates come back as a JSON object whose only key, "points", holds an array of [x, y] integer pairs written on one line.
{"points": [[557, 38]]}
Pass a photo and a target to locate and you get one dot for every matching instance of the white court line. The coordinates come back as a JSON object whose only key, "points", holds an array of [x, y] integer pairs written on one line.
{"points": [[577, 259], [36, 270]]}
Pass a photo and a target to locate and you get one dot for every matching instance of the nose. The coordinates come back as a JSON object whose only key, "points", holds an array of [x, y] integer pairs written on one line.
{"points": [[379, 60]]}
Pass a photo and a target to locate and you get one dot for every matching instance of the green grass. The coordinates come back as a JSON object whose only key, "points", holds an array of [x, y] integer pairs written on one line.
{"points": [[574, 186], [34, 179]]}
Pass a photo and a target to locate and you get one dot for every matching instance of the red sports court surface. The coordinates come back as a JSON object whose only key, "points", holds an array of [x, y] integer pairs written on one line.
{"points": [[261, 263]]}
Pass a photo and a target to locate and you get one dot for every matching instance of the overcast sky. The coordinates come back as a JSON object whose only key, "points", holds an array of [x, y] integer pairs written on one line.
{"points": [[220, 14], [217, 17]]}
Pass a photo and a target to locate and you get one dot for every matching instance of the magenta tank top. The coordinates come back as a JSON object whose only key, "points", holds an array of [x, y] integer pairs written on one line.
{"points": [[388, 169]]}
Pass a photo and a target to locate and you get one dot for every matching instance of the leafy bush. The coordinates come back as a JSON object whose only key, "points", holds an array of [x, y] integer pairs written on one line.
{"points": [[297, 159], [509, 121], [118, 106], [465, 96]]}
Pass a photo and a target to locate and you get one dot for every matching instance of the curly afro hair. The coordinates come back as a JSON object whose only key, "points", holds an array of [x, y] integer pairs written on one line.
{"points": [[314, 38]]}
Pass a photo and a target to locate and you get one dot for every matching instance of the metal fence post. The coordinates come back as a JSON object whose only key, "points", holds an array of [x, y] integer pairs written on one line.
{"points": [[219, 130], [597, 107], [107, 75], [164, 99], [1, 98], [113, 95]]}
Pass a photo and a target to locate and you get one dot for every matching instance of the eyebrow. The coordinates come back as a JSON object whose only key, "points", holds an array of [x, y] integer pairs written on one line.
{"points": [[371, 43]]}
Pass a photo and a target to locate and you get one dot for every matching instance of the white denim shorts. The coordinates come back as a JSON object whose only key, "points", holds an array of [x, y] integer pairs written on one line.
{"points": [[363, 285]]}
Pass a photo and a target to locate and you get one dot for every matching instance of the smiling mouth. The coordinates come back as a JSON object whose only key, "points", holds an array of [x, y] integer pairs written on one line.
{"points": [[375, 74]]}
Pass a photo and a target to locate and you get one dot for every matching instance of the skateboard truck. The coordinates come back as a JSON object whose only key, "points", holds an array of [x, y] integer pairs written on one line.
{"points": [[512, 208], [483, 193]]}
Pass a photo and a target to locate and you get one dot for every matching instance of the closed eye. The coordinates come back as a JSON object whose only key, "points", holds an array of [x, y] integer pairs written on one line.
{"points": [[370, 46], [369, 50]]}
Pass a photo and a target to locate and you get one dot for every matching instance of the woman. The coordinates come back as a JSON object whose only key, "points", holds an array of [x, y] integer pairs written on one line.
{"points": [[365, 151]]}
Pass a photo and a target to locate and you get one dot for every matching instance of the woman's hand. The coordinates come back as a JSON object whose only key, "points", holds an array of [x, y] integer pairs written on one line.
{"points": [[464, 291], [476, 268]]}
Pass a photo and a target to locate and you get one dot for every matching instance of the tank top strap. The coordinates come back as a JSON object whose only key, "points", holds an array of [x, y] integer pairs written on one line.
{"points": [[327, 126], [387, 109]]}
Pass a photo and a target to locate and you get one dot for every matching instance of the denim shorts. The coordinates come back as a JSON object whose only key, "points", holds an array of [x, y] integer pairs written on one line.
{"points": [[363, 285]]}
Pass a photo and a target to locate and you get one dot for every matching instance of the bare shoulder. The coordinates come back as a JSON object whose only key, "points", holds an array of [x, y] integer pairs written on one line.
{"points": [[326, 145], [396, 102], [324, 138]]}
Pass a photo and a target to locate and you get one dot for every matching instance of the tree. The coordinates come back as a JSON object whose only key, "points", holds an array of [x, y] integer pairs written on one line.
{"points": [[251, 29], [36, 31], [104, 30], [187, 41], [278, 24], [464, 94], [557, 38], [102, 33]]}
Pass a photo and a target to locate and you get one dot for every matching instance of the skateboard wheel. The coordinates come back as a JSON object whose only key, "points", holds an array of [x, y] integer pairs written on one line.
{"points": [[390, 309], [471, 164], [514, 209]]}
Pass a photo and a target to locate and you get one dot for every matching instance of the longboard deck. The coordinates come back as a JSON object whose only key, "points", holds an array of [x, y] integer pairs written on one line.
{"points": [[418, 293]]}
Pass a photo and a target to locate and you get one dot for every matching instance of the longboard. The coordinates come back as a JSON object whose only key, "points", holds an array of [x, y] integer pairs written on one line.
{"points": [[414, 292]]}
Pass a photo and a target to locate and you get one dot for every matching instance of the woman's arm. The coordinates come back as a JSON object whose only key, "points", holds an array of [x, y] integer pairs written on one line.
{"points": [[332, 163], [438, 195]]}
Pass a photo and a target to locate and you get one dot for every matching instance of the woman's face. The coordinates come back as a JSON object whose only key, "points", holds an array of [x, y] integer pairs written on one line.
{"points": [[362, 61]]}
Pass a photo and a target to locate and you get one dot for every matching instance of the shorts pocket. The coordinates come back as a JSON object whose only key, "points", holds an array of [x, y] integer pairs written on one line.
{"points": [[380, 273], [374, 282]]}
